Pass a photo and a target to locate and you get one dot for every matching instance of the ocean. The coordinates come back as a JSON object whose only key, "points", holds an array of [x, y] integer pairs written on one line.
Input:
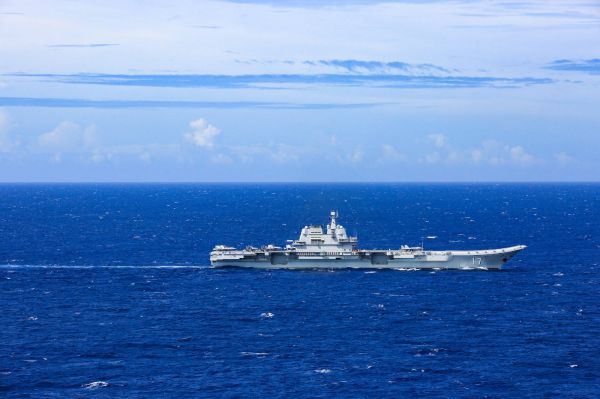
{"points": [[105, 292]]}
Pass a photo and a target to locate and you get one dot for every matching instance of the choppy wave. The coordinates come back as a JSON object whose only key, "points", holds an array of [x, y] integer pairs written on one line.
{"points": [[255, 354], [323, 371], [95, 385]]}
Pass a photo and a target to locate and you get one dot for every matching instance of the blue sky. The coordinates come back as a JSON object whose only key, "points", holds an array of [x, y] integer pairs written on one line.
{"points": [[300, 91]]}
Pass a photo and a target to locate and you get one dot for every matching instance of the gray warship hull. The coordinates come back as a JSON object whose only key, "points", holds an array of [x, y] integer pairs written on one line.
{"points": [[492, 259], [334, 249]]}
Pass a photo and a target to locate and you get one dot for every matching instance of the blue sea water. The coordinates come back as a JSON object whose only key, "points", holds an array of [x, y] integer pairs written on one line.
{"points": [[105, 293]]}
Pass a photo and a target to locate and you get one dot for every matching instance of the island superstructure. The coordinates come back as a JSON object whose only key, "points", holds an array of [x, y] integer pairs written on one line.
{"points": [[334, 249]]}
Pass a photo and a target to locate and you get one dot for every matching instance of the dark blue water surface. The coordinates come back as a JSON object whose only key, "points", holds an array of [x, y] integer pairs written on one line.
{"points": [[104, 292]]}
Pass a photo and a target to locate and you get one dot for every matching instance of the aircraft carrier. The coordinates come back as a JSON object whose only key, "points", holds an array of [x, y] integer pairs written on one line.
{"points": [[334, 249]]}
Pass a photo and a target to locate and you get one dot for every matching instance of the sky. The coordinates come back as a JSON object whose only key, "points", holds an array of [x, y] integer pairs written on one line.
{"points": [[299, 91]]}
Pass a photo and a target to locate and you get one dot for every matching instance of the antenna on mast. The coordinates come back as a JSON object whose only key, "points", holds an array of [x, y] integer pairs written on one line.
{"points": [[332, 216]]}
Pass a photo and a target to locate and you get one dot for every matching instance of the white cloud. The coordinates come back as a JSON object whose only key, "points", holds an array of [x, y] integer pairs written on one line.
{"points": [[3, 120], [491, 152], [276, 152], [144, 156], [438, 140], [246, 154], [67, 137], [519, 156], [285, 153], [5, 141], [495, 153], [476, 155], [446, 29], [70, 138], [140, 152], [203, 134], [391, 154], [97, 157], [443, 150], [355, 156]]}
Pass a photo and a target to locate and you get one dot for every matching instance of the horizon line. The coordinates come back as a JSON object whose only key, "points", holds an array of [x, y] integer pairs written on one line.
{"points": [[149, 182]]}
